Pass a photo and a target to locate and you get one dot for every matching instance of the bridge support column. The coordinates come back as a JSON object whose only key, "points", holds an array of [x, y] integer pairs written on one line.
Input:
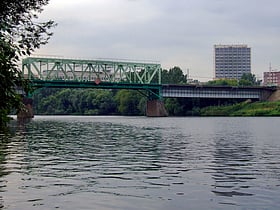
{"points": [[155, 108], [27, 111]]}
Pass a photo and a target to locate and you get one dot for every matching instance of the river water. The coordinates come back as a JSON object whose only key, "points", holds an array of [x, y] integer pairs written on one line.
{"points": [[138, 163]]}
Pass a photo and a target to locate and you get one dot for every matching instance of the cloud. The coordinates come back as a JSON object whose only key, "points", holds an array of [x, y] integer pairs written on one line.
{"points": [[177, 33]]}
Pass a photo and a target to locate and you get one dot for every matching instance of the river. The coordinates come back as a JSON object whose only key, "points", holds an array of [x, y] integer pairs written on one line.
{"points": [[140, 163]]}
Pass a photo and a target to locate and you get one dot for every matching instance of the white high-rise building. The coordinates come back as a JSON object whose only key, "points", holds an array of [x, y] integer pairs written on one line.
{"points": [[231, 61]]}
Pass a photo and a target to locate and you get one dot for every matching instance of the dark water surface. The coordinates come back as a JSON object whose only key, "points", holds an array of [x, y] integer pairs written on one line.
{"points": [[136, 163]]}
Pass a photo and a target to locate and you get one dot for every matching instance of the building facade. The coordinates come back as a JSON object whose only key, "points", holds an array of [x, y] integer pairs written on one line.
{"points": [[271, 78], [231, 61]]}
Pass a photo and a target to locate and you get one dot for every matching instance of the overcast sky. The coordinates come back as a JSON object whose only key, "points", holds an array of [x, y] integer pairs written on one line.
{"points": [[174, 32]]}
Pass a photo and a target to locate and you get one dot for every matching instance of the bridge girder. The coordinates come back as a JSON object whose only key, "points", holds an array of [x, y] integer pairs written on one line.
{"points": [[218, 92]]}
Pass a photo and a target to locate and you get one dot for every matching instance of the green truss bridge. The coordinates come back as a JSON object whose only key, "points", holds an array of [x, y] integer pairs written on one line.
{"points": [[104, 74]]}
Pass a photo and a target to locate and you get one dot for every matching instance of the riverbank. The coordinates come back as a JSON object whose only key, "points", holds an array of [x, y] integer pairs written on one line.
{"points": [[246, 108], [243, 109]]}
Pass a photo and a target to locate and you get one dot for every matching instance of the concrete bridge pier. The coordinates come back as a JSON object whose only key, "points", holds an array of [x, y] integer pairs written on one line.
{"points": [[27, 111], [155, 108]]}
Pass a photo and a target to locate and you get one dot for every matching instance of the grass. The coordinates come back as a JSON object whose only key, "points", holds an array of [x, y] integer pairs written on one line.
{"points": [[246, 108]]}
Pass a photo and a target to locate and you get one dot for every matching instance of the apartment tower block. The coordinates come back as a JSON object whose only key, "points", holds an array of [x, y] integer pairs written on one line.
{"points": [[231, 61]]}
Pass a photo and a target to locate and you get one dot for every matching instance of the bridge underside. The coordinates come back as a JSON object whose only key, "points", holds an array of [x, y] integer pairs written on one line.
{"points": [[153, 90], [90, 84], [154, 108]]}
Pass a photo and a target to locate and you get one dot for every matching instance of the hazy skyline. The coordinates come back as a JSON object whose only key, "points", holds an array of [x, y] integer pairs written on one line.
{"points": [[175, 33]]}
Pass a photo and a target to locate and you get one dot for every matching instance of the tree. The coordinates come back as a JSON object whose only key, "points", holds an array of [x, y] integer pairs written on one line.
{"points": [[249, 79], [104, 102], [164, 76], [19, 36], [173, 107], [174, 76], [223, 82], [128, 102]]}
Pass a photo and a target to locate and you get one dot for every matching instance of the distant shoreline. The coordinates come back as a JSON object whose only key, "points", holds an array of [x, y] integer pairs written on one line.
{"points": [[243, 109]]}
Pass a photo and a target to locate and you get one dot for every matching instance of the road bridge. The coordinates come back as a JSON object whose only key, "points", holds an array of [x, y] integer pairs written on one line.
{"points": [[119, 74], [219, 92]]}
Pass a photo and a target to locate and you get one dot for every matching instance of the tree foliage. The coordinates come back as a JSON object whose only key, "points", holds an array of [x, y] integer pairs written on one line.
{"points": [[173, 106], [249, 80], [223, 82], [175, 75], [74, 101], [88, 102], [20, 35], [129, 102], [246, 80]]}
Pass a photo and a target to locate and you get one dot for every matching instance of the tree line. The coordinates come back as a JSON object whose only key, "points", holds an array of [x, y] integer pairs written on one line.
{"points": [[247, 79]]}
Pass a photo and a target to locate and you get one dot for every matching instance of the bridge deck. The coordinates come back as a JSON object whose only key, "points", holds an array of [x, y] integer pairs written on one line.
{"points": [[198, 91]]}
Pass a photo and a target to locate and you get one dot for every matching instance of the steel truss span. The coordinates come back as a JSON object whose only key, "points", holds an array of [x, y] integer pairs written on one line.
{"points": [[97, 71]]}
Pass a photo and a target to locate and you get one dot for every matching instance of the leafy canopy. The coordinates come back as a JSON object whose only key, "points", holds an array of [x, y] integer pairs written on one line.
{"points": [[175, 75], [20, 35], [248, 79]]}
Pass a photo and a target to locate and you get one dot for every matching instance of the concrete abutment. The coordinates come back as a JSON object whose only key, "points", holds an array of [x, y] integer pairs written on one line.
{"points": [[27, 111], [155, 108]]}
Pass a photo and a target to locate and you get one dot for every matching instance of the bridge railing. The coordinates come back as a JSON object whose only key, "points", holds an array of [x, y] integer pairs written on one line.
{"points": [[50, 69]]}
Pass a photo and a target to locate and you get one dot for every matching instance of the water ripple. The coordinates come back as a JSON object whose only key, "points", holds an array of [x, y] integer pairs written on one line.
{"points": [[140, 163]]}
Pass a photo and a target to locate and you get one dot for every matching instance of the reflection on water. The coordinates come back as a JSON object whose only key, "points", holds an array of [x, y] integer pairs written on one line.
{"points": [[233, 159], [141, 163]]}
